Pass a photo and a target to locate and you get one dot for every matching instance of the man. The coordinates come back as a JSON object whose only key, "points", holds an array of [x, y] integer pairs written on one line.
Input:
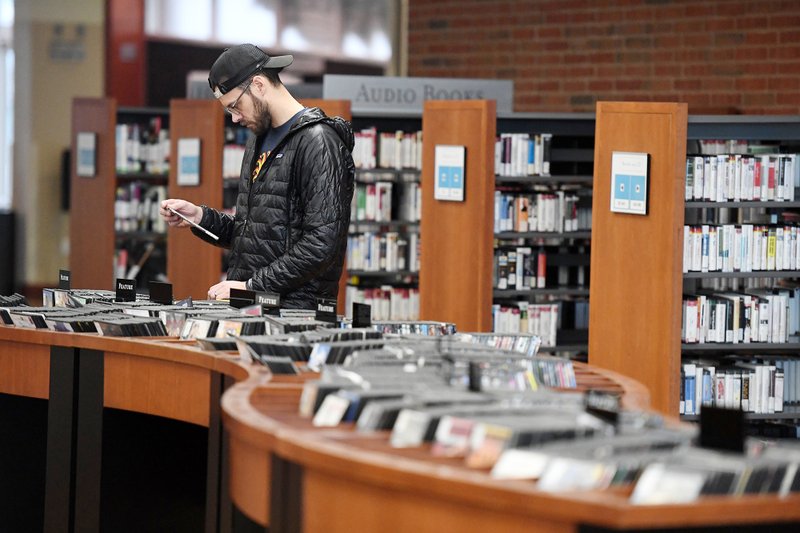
{"points": [[289, 233]]}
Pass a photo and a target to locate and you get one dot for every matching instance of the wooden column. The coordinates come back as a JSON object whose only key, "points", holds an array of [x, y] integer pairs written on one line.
{"points": [[636, 280], [193, 265], [457, 237], [335, 108], [91, 254], [126, 61]]}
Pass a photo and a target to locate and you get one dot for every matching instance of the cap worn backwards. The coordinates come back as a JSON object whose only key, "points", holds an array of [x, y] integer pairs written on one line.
{"points": [[239, 62]]}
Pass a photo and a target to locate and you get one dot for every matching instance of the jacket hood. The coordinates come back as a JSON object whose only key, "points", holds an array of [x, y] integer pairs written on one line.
{"points": [[343, 129]]}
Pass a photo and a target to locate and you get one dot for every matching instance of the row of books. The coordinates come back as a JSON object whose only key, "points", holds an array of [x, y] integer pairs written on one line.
{"points": [[384, 201], [740, 248], [524, 317], [142, 148], [519, 269], [395, 150], [725, 146], [385, 252], [735, 177], [522, 154], [388, 303], [557, 212], [136, 207], [759, 315], [752, 385]]}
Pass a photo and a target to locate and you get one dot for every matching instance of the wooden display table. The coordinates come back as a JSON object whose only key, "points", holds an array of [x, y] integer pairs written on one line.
{"points": [[287, 475]]}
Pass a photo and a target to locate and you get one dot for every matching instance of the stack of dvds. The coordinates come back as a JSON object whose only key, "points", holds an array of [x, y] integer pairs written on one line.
{"points": [[414, 327], [120, 325]]}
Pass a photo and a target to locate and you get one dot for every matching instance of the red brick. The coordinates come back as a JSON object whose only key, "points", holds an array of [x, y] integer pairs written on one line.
{"points": [[763, 37], [761, 99], [549, 32], [783, 84], [628, 85], [751, 84], [785, 52], [601, 85], [751, 54], [688, 85], [792, 98], [790, 37], [716, 84]]}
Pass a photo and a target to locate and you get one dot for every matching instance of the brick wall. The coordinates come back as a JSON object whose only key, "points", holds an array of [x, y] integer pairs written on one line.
{"points": [[719, 56]]}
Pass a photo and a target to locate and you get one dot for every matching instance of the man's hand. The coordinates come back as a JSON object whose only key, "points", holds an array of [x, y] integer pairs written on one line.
{"points": [[187, 209], [222, 290]]}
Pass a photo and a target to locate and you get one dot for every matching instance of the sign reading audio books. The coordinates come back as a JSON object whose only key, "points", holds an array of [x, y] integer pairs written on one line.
{"points": [[629, 182], [405, 96]]}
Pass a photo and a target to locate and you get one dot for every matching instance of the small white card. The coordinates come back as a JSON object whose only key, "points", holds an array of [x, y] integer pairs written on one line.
{"points": [[519, 464], [449, 169], [331, 411], [409, 429], [86, 156], [658, 486], [629, 177], [188, 162]]}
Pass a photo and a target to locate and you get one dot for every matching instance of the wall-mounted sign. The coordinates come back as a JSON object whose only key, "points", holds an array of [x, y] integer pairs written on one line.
{"points": [[405, 96], [629, 174], [449, 171]]}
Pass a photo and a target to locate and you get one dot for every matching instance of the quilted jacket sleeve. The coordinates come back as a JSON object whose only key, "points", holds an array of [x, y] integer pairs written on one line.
{"points": [[220, 224]]}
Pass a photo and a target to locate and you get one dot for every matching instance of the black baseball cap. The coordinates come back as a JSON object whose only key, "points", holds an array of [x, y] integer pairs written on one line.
{"points": [[239, 62]]}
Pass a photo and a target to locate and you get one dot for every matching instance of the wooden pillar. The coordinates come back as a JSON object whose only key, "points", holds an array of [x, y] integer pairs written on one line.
{"points": [[91, 254], [126, 61], [457, 237], [636, 280], [193, 265]]}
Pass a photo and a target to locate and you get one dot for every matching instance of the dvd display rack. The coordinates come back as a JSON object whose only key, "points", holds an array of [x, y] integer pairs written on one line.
{"points": [[542, 227], [118, 179]]}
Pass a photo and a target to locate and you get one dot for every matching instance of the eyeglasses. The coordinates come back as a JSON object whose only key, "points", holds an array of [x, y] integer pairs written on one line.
{"points": [[231, 109]]}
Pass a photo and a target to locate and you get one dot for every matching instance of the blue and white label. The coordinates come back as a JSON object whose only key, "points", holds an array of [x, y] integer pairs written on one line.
{"points": [[449, 168], [188, 162], [629, 174]]}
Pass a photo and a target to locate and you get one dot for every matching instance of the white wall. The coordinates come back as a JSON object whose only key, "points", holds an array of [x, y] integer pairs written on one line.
{"points": [[44, 88]]}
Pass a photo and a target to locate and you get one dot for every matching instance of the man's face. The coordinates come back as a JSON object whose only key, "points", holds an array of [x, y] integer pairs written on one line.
{"points": [[249, 111]]}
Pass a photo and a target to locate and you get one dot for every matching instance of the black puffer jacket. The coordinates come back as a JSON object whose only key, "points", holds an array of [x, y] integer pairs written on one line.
{"points": [[289, 233]]}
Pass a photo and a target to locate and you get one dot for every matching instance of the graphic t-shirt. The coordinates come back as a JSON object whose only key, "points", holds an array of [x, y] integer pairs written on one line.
{"points": [[271, 140]]}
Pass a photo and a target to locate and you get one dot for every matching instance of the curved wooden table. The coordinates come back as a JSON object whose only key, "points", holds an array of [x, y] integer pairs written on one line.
{"points": [[289, 476]]}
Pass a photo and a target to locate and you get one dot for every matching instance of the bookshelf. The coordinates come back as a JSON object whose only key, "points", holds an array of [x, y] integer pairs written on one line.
{"points": [[753, 141], [384, 237], [637, 262], [567, 252], [99, 207], [454, 293]]}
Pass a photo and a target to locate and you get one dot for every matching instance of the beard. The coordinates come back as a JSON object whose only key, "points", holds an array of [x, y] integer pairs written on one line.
{"points": [[262, 122]]}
